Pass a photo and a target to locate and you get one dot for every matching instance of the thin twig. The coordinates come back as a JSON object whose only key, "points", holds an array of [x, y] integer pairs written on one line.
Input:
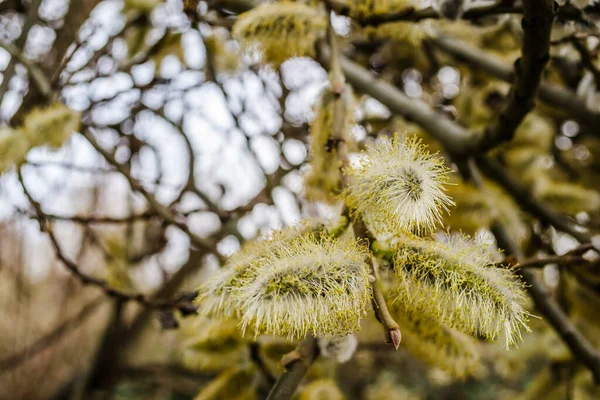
{"points": [[182, 302], [162, 210]]}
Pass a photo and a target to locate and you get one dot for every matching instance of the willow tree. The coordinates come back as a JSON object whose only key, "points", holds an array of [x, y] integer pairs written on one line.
{"points": [[443, 237]]}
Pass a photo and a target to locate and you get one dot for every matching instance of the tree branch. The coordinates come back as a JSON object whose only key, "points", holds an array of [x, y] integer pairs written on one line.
{"points": [[538, 16], [182, 302], [579, 345], [296, 364], [553, 95]]}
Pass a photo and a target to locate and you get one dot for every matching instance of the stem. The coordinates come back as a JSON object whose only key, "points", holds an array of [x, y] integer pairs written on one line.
{"points": [[296, 365]]}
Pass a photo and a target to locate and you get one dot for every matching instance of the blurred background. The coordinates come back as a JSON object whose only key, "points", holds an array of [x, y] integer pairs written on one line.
{"points": [[221, 142]]}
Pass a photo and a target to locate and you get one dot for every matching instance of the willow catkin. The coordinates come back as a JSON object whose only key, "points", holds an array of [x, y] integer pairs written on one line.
{"points": [[321, 389], [281, 30], [49, 126], [296, 283], [436, 344], [457, 283], [398, 187]]}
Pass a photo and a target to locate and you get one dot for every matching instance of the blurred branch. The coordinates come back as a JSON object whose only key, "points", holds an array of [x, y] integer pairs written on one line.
{"points": [[162, 210], [182, 302], [46, 341], [36, 73], [296, 364], [78, 12], [455, 138], [256, 358], [411, 14], [580, 346], [32, 17], [538, 16], [526, 200], [336, 75], [586, 59], [572, 257], [556, 96]]}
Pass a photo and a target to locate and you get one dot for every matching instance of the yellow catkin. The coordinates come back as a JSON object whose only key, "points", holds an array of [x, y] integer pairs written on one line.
{"points": [[145, 6], [566, 197], [51, 126], [281, 30], [296, 283], [398, 187], [211, 344], [14, 146], [386, 388], [438, 345], [458, 284], [225, 57]]}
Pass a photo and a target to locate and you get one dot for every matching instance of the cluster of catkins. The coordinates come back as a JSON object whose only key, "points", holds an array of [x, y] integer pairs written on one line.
{"points": [[315, 278]]}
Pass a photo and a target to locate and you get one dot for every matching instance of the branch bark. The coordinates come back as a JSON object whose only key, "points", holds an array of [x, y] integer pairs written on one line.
{"points": [[296, 366], [553, 95], [538, 16]]}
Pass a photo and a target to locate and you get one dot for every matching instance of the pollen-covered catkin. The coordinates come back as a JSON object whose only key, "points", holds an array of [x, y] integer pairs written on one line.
{"points": [[458, 284], [297, 283], [14, 146], [436, 344], [281, 30], [398, 187]]}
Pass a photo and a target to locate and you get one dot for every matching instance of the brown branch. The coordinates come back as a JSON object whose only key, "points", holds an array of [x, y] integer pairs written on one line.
{"points": [[337, 81], [573, 257], [553, 95], [256, 358], [162, 210], [182, 303], [538, 16], [526, 200], [296, 364], [32, 17], [411, 14], [586, 59]]}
